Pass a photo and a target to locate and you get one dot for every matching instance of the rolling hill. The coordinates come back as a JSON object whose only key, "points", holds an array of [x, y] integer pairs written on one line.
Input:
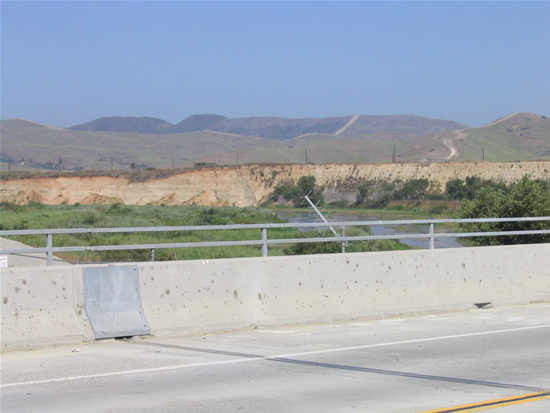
{"points": [[124, 124], [271, 127], [519, 136], [28, 145]]}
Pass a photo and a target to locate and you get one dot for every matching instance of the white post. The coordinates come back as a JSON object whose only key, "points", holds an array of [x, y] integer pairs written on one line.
{"points": [[264, 239], [344, 243], [49, 246]]}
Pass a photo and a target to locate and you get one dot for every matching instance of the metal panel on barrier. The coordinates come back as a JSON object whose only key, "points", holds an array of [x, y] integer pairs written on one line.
{"points": [[113, 301]]}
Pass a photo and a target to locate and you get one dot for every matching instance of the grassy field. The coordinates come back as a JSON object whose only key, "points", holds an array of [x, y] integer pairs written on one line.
{"points": [[38, 216], [523, 137]]}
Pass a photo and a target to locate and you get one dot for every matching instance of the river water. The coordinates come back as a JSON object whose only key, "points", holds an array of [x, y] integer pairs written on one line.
{"points": [[298, 217]]}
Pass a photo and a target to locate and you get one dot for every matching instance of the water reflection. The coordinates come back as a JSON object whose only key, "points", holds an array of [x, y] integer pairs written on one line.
{"points": [[305, 217]]}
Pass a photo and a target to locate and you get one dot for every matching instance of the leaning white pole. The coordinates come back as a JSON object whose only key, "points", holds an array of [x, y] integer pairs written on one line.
{"points": [[321, 215]]}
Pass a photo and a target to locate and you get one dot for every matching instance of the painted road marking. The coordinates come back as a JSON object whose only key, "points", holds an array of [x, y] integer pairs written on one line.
{"points": [[277, 331], [420, 340], [254, 357], [123, 373], [493, 404]]}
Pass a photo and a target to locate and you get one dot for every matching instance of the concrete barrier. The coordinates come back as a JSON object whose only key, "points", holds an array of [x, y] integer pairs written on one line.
{"points": [[44, 305], [197, 296]]}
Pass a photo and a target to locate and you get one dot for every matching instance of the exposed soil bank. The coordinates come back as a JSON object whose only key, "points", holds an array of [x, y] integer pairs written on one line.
{"points": [[249, 185]]}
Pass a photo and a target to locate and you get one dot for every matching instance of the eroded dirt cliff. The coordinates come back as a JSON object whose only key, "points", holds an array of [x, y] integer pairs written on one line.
{"points": [[249, 185]]}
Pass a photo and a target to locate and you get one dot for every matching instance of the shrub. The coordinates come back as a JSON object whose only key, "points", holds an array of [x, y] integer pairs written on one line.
{"points": [[362, 194], [527, 198], [306, 186], [415, 188], [458, 189], [381, 202], [439, 209], [331, 247]]}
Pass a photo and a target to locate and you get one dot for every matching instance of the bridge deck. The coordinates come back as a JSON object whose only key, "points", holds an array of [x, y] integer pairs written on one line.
{"points": [[493, 357]]}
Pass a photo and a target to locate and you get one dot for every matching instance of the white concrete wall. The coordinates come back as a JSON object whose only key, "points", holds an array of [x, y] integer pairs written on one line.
{"points": [[42, 305], [224, 294]]}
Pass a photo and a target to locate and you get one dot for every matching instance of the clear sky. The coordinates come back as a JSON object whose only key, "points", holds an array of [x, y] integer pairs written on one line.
{"points": [[66, 63]]}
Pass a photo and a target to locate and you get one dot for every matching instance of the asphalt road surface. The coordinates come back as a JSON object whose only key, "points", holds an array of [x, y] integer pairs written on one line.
{"points": [[493, 358]]}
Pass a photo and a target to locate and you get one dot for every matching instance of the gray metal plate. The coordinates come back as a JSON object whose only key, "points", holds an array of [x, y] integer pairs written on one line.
{"points": [[113, 301]]}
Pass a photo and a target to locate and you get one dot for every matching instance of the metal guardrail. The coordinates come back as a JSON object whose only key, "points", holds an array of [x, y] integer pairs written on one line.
{"points": [[50, 250]]}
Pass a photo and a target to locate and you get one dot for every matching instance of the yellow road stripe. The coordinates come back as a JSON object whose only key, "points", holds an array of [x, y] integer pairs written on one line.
{"points": [[493, 404]]}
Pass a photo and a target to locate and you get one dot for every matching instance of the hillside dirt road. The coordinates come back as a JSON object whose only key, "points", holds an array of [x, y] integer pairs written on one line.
{"points": [[450, 143], [458, 134], [347, 125]]}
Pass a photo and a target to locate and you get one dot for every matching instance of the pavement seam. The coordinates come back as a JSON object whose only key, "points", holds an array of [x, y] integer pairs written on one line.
{"points": [[353, 368]]}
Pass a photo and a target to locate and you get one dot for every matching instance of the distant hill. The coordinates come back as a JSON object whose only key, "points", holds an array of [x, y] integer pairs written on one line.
{"points": [[28, 145], [519, 136], [276, 128], [124, 124], [195, 123], [279, 128], [416, 125]]}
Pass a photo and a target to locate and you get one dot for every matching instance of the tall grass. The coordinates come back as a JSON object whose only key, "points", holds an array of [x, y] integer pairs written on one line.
{"points": [[38, 216]]}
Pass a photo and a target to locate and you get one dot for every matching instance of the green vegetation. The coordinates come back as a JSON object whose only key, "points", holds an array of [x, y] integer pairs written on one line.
{"points": [[416, 192], [412, 195], [38, 216], [458, 189], [416, 198], [335, 247], [295, 193], [205, 165], [381, 195], [528, 198]]}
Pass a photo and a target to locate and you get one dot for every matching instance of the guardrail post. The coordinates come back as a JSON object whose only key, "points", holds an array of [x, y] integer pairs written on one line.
{"points": [[153, 255], [49, 246], [264, 239], [344, 243], [432, 237]]}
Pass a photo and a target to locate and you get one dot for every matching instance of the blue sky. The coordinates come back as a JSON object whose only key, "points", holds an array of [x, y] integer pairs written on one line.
{"points": [[66, 63]]}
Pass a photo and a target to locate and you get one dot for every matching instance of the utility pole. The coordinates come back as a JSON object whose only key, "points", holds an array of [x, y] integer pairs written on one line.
{"points": [[483, 152], [305, 155]]}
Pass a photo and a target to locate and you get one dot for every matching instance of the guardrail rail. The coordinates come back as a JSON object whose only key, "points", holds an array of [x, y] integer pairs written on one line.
{"points": [[263, 240]]}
